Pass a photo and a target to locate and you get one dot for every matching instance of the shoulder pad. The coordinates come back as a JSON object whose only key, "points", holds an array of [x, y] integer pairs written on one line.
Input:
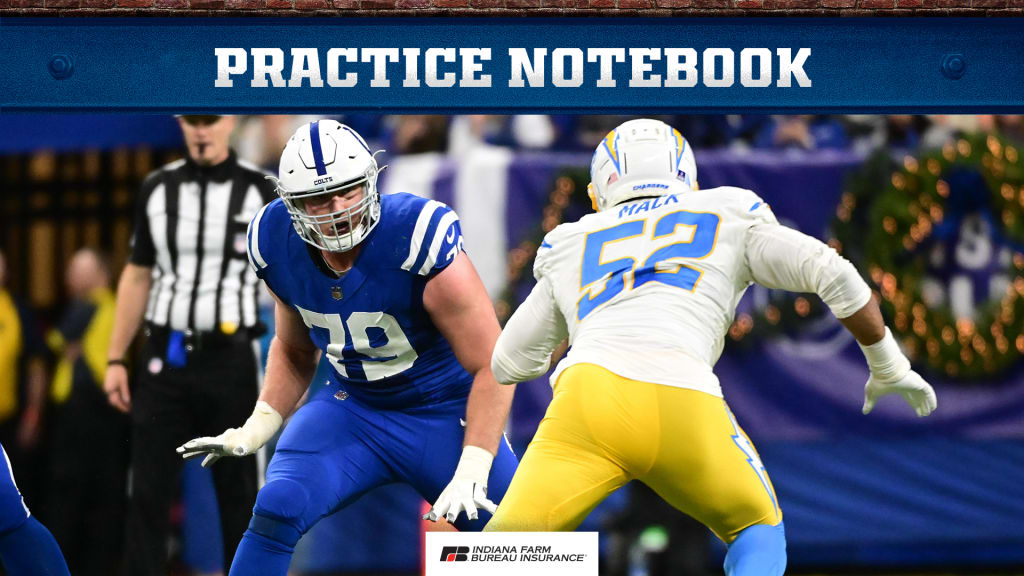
{"points": [[436, 235], [747, 204], [556, 237], [260, 235]]}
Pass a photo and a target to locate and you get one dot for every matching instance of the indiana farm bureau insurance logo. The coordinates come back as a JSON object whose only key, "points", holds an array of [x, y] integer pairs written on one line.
{"points": [[454, 553], [512, 553]]}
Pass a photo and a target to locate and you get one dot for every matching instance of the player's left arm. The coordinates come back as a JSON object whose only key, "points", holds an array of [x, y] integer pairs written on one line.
{"points": [[780, 257], [459, 306]]}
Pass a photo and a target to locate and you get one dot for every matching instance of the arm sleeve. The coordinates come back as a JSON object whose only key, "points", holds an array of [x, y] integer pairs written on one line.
{"points": [[780, 257], [255, 244], [523, 351], [449, 247], [435, 241], [143, 252]]}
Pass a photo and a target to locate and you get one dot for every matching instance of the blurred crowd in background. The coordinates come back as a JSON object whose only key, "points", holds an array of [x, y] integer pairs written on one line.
{"points": [[261, 138], [64, 449]]}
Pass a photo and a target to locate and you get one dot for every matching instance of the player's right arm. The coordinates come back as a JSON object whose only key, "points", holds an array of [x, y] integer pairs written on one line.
{"points": [[523, 351], [291, 363], [783, 258]]}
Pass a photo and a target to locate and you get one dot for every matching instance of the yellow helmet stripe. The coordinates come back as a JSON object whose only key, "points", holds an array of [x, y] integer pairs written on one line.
{"points": [[680, 146], [609, 145]]}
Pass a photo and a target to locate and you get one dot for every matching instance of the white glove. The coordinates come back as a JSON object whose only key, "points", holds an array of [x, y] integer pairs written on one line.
{"points": [[467, 489], [264, 422], [891, 374]]}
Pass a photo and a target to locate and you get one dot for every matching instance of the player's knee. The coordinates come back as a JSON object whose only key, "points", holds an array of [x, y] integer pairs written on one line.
{"points": [[279, 511], [759, 550]]}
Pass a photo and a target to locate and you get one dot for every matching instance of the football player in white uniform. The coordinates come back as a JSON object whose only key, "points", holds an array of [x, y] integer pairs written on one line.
{"points": [[645, 290]]}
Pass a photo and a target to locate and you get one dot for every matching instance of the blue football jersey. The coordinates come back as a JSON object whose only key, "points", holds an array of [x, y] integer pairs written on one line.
{"points": [[371, 324]]}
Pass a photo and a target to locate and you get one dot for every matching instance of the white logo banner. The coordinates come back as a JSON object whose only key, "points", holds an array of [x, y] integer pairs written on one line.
{"points": [[511, 553]]}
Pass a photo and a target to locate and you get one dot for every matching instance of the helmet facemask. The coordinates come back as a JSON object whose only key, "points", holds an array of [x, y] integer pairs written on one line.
{"points": [[350, 225], [323, 160]]}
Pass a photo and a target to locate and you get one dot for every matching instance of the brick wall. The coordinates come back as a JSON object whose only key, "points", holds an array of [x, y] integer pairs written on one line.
{"points": [[514, 7]]}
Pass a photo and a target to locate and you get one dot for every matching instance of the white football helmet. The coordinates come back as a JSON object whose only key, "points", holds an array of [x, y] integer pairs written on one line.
{"points": [[642, 157], [326, 157]]}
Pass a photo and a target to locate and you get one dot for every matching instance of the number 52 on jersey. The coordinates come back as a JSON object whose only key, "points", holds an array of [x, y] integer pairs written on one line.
{"points": [[665, 233]]}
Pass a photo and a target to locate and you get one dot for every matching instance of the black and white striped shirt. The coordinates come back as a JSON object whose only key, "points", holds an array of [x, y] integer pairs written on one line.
{"points": [[190, 228]]}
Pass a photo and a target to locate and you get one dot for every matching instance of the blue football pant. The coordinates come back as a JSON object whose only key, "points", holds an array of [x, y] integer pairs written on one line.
{"points": [[333, 451]]}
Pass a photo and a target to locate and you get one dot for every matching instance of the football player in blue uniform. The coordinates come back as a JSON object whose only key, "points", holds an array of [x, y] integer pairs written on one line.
{"points": [[381, 286], [26, 546]]}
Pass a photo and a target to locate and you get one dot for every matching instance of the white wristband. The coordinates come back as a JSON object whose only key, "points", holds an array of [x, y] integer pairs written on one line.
{"points": [[475, 465], [260, 427], [885, 359]]}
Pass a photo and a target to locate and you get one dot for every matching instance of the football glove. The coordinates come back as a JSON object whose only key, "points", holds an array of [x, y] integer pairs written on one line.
{"points": [[891, 374], [467, 490], [264, 423]]}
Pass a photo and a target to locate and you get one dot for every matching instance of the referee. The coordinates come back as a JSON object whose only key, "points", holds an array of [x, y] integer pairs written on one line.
{"points": [[188, 276]]}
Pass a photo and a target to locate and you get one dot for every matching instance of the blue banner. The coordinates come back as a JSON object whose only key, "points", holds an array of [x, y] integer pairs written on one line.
{"points": [[511, 66]]}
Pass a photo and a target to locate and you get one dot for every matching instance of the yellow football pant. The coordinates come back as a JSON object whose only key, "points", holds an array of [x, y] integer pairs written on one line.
{"points": [[602, 430]]}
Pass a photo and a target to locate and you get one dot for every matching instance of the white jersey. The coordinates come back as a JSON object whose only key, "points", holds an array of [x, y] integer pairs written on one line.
{"points": [[648, 289]]}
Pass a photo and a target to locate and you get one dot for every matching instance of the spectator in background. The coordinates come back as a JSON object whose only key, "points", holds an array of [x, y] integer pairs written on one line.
{"points": [[870, 132], [904, 131], [735, 131], [944, 127], [742, 129], [89, 453], [520, 132], [1011, 127], [805, 132], [260, 138], [189, 277], [22, 383], [592, 129], [418, 133]]}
